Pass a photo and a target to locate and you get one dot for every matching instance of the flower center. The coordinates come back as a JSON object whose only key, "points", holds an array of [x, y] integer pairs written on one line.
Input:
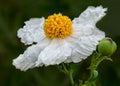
{"points": [[57, 25]]}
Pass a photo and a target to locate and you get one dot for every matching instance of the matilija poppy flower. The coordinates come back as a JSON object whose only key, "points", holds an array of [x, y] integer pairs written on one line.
{"points": [[57, 39]]}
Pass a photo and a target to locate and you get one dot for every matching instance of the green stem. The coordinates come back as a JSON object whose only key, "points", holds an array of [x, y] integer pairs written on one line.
{"points": [[65, 69], [71, 77], [68, 71], [95, 61]]}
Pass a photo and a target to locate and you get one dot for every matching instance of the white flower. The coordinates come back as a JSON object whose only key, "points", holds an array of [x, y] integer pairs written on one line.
{"points": [[58, 39]]}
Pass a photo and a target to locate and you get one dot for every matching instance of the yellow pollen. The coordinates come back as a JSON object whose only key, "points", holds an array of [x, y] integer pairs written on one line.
{"points": [[57, 25]]}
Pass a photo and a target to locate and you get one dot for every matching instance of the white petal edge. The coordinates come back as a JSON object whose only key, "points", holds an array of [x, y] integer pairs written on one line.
{"points": [[32, 31], [91, 15], [83, 46], [28, 59], [56, 53]]}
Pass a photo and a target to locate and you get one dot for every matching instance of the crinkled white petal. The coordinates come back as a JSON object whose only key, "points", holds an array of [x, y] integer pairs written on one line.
{"points": [[32, 31], [83, 46], [86, 47], [30, 56], [84, 25], [86, 36], [91, 15], [56, 53], [81, 30]]}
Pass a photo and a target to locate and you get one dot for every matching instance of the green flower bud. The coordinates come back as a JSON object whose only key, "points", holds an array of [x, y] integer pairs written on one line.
{"points": [[107, 46], [95, 74]]}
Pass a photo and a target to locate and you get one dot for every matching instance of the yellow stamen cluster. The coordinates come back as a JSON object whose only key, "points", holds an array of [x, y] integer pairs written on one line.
{"points": [[57, 25]]}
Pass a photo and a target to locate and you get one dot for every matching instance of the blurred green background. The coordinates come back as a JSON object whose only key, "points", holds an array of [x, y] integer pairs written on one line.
{"points": [[13, 13]]}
